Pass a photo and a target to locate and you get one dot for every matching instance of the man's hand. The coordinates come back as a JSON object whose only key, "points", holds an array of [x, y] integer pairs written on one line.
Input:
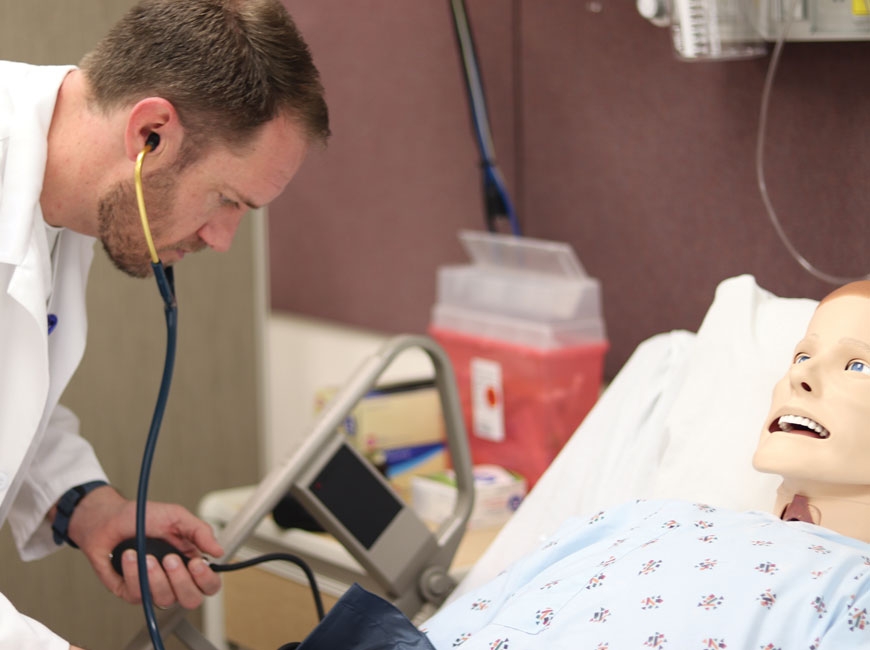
{"points": [[104, 518]]}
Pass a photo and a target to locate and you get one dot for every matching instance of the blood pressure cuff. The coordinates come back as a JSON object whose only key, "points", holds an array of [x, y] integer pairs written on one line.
{"points": [[360, 620]]}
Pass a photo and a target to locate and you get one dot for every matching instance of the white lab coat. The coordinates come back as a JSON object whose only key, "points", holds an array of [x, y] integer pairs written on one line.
{"points": [[41, 452]]}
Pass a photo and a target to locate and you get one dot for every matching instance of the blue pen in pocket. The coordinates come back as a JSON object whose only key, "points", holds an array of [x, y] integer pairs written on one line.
{"points": [[52, 323]]}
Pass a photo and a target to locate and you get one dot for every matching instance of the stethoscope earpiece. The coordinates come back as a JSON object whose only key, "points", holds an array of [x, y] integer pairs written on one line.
{"points": [[153, 140]]}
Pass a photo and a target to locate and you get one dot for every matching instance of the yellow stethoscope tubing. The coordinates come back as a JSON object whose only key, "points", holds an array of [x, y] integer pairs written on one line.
{"points": [[140, 199]]}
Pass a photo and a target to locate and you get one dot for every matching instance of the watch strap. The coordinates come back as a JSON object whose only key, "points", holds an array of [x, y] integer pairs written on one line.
{"points": [[66, 505]]}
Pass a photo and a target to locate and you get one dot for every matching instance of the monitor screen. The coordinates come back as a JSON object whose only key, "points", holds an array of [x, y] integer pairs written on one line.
{"points": [[354, 495]]}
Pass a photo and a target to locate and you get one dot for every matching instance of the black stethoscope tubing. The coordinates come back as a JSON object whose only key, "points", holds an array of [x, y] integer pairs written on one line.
{"points": [[166, 285]]}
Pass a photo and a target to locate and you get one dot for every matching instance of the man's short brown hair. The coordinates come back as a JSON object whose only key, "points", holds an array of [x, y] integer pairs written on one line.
{"points": [[227, 66]]}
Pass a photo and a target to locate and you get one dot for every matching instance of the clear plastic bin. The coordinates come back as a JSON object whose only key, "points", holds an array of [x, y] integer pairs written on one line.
{"points": [[533, 279]]}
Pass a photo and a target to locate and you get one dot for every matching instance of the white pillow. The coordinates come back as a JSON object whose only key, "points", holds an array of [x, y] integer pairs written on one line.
{"points": [[743, 347]]}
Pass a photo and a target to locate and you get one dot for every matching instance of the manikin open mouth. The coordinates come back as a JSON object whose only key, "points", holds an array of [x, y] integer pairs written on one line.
{"points": [[801, 425]]}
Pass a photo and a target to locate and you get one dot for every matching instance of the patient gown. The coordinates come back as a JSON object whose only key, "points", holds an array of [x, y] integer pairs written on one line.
{"points": [[671, 575]]}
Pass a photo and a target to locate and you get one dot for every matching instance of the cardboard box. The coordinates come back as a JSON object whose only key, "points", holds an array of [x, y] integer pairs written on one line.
{"points": [[400, 429]]}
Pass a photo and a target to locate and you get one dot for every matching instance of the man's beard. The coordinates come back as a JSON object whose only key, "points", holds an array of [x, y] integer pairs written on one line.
{"points": [[120, 227]]}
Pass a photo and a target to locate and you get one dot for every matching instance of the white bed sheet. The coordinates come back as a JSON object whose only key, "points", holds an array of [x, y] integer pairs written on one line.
{"points": [[680, 420]]}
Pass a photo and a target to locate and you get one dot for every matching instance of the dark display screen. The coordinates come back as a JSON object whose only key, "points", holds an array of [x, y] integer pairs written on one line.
{"points": [[351, 492]]}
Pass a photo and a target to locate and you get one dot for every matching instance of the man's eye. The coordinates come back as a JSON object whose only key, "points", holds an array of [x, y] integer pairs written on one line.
{"points": [[856, 365], [227, 202], [800, 357]]}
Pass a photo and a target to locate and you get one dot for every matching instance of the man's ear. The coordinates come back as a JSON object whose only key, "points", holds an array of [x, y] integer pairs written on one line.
{"points": [[153, 115]]}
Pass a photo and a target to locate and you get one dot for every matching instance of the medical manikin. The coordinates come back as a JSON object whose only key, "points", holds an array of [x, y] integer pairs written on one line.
{"points": [[817, 434], [666, 574]]}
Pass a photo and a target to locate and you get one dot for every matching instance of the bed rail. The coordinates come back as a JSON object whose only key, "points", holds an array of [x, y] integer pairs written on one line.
{"points": [[407, 560]]}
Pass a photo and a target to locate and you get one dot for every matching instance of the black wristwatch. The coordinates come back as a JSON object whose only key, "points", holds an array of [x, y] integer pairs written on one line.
{"points": [[65, 508]]}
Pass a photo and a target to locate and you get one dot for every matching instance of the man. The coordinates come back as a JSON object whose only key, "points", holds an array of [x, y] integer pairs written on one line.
{"points": [[227, 92]]}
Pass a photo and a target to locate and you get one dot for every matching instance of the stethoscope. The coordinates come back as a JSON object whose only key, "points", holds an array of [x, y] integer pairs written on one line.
{"points": [[144, 545], [166, 284]]}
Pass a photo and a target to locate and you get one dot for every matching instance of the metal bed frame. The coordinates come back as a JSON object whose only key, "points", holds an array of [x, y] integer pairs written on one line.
{"points": [[406, 560]]}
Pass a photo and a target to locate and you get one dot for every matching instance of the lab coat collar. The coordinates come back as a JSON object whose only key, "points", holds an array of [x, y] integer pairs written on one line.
{"points": [[27, 102]]}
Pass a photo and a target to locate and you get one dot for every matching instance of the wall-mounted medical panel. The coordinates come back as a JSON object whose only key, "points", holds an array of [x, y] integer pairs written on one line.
{"points": [[737, 29]]}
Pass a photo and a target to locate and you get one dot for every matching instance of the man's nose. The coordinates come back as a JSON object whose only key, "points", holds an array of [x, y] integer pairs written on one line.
{"points": [[218, 233]]}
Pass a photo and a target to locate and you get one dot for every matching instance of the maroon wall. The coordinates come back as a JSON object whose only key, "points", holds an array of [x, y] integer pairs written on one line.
{"points": [[643, 163]]}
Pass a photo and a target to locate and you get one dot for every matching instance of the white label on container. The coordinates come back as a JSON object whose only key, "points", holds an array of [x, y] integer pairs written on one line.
{"points": [[487, 400]]}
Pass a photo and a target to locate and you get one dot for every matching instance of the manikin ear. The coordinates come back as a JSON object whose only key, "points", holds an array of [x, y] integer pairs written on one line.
{"points": [[153, 115]]}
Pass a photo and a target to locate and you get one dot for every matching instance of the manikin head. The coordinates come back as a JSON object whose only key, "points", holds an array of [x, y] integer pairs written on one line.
{"points": [[817, 433]]}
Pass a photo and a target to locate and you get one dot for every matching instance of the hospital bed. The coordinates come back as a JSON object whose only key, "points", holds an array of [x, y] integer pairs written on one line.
{"points": [[680, 420]]}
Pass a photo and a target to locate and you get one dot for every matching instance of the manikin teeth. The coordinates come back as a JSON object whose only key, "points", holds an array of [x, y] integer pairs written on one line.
{"points": [[788, 423]]}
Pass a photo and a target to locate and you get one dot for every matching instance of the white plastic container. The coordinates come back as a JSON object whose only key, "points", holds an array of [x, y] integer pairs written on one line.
{"points": [[497, 495]]}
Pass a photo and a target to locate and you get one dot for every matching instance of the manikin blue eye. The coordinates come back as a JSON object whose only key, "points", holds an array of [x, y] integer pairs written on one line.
{"points": [[801, 357], [856, 365]]}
